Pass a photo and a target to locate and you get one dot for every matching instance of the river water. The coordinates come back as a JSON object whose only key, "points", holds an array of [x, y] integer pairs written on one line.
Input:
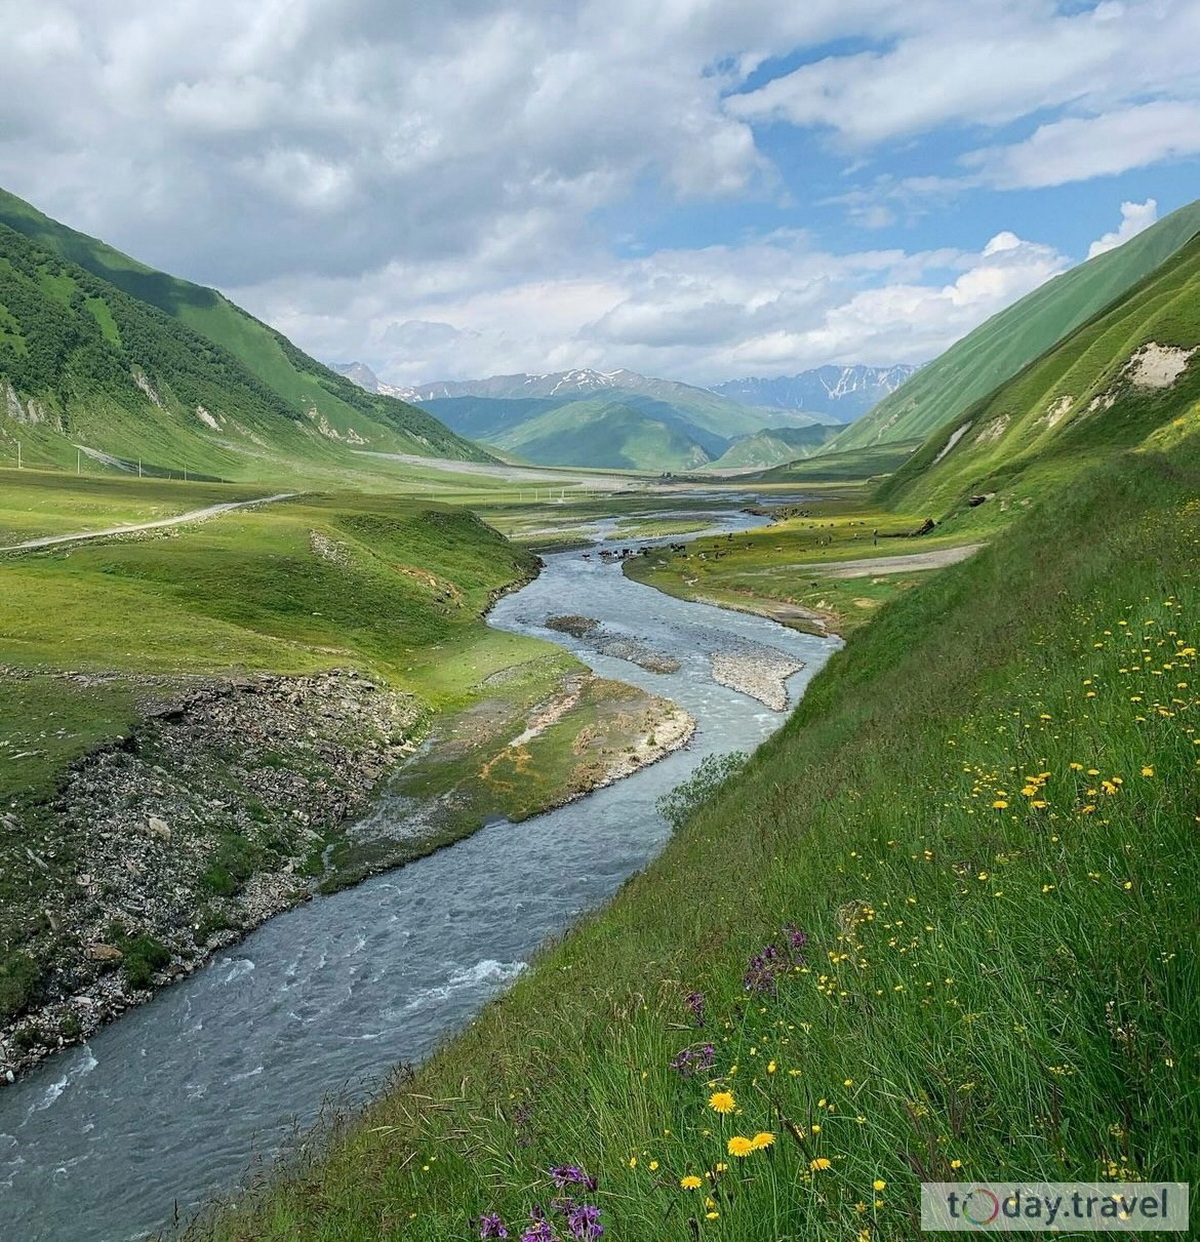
{"points": [[183, 1098]]}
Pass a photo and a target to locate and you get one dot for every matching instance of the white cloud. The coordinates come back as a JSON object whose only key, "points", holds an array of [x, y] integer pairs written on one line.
{"points": [[1079, 148], [1134, 218], [778, 304], [425, 184]]}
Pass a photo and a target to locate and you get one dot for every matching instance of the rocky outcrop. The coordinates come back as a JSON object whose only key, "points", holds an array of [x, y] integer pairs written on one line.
{"points": [[212, 816]]}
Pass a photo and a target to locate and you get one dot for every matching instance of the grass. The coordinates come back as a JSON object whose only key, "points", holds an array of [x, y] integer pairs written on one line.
{"points": [[35, 502], [777, 571], [983, 818]]}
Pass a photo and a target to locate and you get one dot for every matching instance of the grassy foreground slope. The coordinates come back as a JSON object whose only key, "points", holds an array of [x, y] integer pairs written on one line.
{"points": [[979, 831], [1124, 374], [96, 348], [999, 348]]}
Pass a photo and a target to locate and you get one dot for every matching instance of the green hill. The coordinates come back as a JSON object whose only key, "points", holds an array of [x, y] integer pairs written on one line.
{"points": [[772, 447], [100, 352], [996, 350], [614, 430], [1122, 377]]}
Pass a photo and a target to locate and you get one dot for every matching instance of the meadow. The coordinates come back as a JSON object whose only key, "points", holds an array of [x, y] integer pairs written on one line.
{"points": [[941, 927]]}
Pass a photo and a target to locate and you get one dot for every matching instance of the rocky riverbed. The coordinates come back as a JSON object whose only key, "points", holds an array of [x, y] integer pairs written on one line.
{"points": [[162, 848], [760, 672]]}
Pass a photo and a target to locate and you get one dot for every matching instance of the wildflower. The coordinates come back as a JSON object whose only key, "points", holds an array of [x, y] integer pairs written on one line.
{"points": [[691, 1182], [1000, 804], [653, 1165], [764, 1138], [739, 1146], [697, 1060], [712, 1215], [567, 1174], [956, 1164], [796, 938], [583, 1221], [491, 1226], [722, 1102], [695, 1005], [878, 1184], [538, 1231], [1147, 771], [820, 1163]]}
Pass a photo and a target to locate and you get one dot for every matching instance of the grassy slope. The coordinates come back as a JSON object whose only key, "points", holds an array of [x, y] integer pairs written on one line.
{"points": [[1000, 977], [851, 465], [772, 447], [1036, 432], [999, 348], [612, 434], [249, 357]]}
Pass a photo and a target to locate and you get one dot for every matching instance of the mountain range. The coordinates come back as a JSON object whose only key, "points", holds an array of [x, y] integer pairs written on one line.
{"points": [[622, 419], [103, 356], [844, 393]]}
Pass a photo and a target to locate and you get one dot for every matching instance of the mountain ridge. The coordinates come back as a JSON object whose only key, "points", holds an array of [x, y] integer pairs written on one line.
{"points": [[101, 354], [1017, 336]]}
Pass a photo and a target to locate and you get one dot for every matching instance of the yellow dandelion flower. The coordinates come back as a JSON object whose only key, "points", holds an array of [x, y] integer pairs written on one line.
{"points": [[691, 1182], [633, 1162], [722, 1102], [764, 1138], [1147, 771], [653, 1165], [1000, 804], [820, 1163], [878, 1184], [711, 1215], [956, 1164], [739, 1146]]}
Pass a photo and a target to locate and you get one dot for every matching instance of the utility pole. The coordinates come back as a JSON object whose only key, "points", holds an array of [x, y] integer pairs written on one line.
{"points": [[78, 462], [18, 454], [139, 467]]}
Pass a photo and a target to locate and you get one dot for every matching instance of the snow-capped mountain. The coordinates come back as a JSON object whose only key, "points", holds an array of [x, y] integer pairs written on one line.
{"points": [[844, 392]]}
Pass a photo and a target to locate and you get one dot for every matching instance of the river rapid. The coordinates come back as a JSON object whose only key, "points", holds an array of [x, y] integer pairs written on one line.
{"points": [[183, 1098]]}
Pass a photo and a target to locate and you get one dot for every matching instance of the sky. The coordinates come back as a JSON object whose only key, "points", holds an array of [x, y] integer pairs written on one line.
{"points": [[696, 189]]}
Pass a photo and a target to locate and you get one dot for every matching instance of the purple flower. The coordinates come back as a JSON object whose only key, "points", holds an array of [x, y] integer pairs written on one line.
{"points": [[568, 1174], [796, 938], [491, 1226], [584, 1221], [695, 1004], [695, 1060], [539, 1228]]}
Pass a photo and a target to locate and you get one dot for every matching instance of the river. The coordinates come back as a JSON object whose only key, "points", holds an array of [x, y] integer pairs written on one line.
{"points": [[184, 1097]]}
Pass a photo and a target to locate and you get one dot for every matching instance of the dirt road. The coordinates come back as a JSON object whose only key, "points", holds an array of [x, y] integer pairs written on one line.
{"points": [[196, 515]]}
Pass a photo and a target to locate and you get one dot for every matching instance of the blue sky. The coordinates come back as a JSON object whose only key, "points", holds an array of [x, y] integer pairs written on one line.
{"points": [[697, 189]]}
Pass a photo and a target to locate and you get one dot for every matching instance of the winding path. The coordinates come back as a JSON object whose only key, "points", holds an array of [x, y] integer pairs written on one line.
{"points": [[196, 515]]}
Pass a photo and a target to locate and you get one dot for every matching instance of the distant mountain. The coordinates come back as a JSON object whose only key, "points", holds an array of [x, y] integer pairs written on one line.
{"points": [[103, 355], [843, 393], [604, 419], [999, 348]]}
